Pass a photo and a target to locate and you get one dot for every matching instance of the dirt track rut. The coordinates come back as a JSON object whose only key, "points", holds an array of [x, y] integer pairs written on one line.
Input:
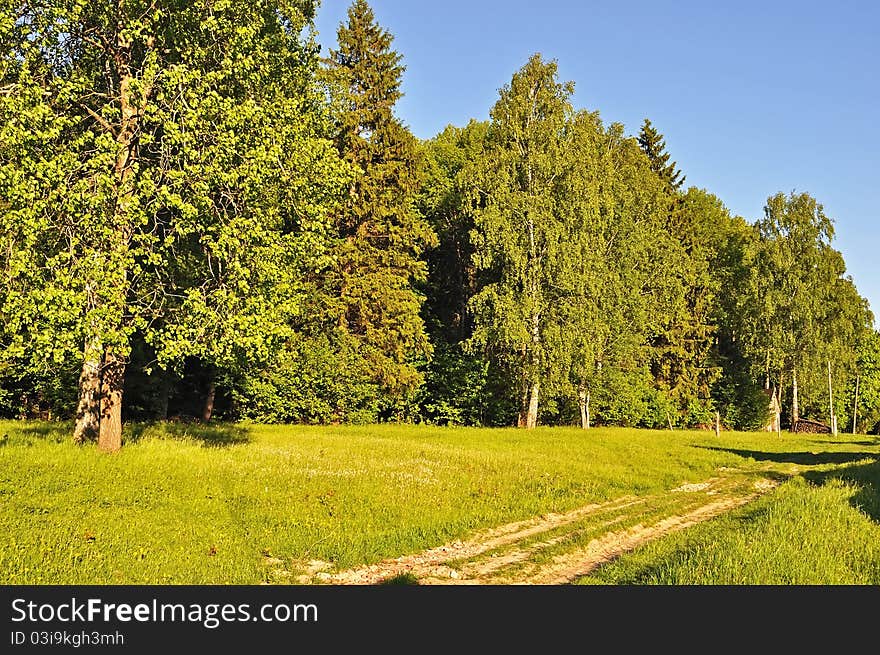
{"points": [[556, 548]]}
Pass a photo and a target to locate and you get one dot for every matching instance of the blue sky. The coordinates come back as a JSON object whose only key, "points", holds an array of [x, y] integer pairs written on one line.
{"points": [[753, 97]]}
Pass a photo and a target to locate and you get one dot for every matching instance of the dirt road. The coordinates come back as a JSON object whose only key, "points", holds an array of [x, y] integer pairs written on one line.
{"points": [[556, 548]]}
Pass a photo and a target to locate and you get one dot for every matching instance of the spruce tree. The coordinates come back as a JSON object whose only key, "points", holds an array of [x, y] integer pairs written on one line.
{"points": [[382, 235], [682, 361], [653, 145]]}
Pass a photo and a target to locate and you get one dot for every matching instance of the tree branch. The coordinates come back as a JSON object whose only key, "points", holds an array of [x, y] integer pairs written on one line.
{"points": [[100, 119]]}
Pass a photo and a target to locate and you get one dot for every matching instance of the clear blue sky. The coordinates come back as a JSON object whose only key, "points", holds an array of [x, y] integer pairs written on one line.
{"points": [[753, 97]]}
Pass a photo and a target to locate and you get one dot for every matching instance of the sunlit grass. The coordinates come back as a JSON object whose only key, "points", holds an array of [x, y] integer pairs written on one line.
{"points": [[806, 533], [184, 504]]}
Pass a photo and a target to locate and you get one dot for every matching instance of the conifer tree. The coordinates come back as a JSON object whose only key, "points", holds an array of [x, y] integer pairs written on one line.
{"points": [[382, 235], [654, 146], [682, 359]]}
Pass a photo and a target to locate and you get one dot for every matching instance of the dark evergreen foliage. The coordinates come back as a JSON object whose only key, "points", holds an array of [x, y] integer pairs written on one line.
{"points": [[382, 234], [654, 146]]}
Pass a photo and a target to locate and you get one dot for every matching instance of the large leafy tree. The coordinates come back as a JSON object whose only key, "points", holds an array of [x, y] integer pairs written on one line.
{"points": [[866, 403], [845, 327], [165, 171], [383, 237], [520, 236], [619, 276], [802, 313], [448, 202], [456, 384], [740, 398]]}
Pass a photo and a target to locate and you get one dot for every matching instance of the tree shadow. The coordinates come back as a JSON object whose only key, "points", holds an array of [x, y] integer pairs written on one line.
{"points": [[211, 435], [874, 442], [57, 432], [26, 433], [801, 458], [865, 476]]}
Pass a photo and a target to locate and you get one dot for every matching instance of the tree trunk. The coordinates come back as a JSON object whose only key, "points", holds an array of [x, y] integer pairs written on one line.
{"points": [[831, 413], [781, 390], [584, 402], [110, 436], [523, 418], [208, 409], [856, 406], [88, 410], [131, 104], [164, 393], [777, 411], [795, 410], [132, 96], [532, 415]]}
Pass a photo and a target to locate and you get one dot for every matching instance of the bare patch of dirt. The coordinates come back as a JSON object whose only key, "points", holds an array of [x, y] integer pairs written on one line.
{"points": [[487, 567], [691, 488]]}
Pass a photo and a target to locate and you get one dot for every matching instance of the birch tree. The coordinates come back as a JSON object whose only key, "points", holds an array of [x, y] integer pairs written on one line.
{"points": [[520, 235], [803, 311], [619, 275]]}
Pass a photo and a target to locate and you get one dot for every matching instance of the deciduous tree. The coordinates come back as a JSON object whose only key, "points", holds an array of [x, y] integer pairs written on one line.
{"points": [[520, 235], [802, 312], [165, 169]]}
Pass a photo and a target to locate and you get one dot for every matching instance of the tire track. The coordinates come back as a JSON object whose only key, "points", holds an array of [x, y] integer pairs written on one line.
{"points": [[460, 562]]}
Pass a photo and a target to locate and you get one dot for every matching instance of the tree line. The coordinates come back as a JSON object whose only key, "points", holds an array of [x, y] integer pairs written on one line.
{"points": [[203, 216]]}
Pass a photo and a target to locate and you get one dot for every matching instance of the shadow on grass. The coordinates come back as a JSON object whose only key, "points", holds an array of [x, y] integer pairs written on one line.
{"points": [[56, 432], [29, 432], [801, 458], [875, 442], [865, 476], [211, 435]]}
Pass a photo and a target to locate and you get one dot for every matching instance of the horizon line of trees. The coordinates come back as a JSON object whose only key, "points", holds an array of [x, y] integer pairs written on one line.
{"points": [[202, 217]]}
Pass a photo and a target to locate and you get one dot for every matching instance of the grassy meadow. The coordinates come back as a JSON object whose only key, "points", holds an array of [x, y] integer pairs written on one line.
{"points": [[189, 504]]}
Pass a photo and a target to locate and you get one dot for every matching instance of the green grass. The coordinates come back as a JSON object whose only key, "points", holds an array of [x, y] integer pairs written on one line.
{"points": [[821, 528], [193, 505]]}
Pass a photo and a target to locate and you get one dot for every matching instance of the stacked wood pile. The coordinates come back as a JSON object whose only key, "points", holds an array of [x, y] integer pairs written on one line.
{"points": [[811, 427]]}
